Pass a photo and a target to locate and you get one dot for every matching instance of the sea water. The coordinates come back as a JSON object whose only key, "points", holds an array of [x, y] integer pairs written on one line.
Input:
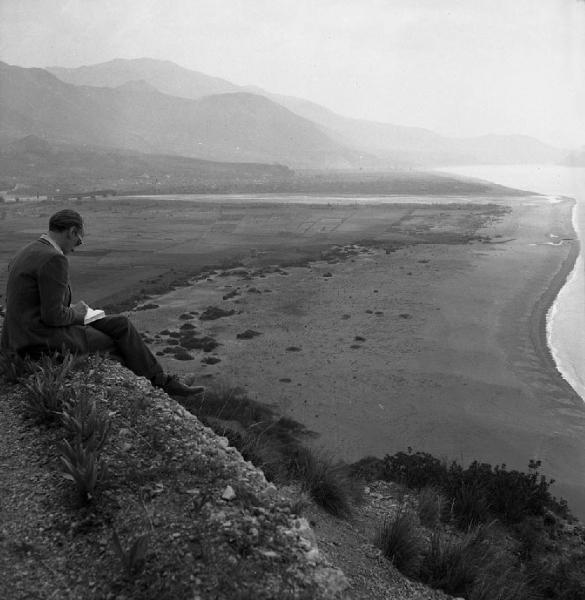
{"points": [[566, 317]]}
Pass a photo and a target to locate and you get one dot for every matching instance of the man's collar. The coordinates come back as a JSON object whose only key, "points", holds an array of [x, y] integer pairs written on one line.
{"points": [[51, 241]]}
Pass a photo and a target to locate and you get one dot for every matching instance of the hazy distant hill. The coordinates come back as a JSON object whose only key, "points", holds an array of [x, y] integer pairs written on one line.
{"points": [[393, 144], [409, 144], [422, 146], [236, 127], [35, 165], [164, 75]]}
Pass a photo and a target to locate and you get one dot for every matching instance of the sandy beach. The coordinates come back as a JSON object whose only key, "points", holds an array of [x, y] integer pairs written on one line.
{"points": [[379, 327], [435, 345]]}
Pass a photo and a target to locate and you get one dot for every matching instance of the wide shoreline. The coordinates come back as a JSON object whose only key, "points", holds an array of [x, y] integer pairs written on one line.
{"points": [[563, 354], [565, 317], [545, 304]]}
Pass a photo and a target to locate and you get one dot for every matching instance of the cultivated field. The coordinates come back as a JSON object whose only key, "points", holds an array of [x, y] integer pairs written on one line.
{"points": [[138, 246]]}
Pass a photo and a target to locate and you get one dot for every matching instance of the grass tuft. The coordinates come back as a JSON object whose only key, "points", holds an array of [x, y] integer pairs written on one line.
{"points": [[401, 543], [452, 564], [84, 423], [47, 388], [274, 445], [134, 558], [329, 483], [83, 467]]}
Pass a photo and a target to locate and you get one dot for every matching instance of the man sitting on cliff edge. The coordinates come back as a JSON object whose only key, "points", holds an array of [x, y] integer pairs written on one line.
{"points": [[40, 317]]}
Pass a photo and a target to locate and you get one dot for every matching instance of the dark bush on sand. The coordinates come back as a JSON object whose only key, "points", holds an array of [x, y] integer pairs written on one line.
{"points": [[213, 312], [205, 343], [478, 493], [183, 355], [248, 334]]}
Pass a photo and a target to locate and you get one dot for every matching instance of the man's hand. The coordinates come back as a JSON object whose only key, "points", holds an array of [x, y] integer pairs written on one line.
{"points": [[80, 309]]}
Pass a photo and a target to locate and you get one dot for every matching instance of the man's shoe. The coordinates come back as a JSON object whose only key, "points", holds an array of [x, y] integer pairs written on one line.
{"points": [[173, 387]]}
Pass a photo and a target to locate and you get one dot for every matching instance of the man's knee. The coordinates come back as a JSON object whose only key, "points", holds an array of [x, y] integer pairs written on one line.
{"points": [[114, 326]]}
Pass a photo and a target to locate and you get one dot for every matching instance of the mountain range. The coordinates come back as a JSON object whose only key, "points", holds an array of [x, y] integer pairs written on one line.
{"points": [[157, 107]]}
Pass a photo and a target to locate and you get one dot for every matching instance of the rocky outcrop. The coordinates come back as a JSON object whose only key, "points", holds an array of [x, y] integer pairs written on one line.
{"points": [[212, 525]]}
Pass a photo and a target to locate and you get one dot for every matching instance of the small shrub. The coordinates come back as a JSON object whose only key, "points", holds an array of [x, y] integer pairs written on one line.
{"points": [[231, 404], [44, 400], [453, 564], [86, 426], [57, 365], [513, 495], [329, 484], [83, 467], [47, 388], [134, 558], [213, 312], [415, 469], [477, 493], [401, 543], [369, 468], [509, 495]]}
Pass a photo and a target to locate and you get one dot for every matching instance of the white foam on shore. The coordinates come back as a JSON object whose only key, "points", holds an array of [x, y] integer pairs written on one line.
{"points": [[567, 315]]}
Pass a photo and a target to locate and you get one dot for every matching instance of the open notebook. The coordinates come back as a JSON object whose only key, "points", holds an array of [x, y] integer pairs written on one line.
{"points": [[93, 314]]}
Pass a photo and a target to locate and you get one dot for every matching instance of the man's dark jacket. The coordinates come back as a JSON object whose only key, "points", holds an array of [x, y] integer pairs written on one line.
{"points": [[38, 297]]}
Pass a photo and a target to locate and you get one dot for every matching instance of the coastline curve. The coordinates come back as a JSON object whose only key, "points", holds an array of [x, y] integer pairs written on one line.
{"points": [[545, 306]]}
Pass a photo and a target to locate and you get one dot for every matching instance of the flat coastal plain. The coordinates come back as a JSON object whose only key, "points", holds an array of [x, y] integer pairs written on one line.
{"points": [[419, 322]]}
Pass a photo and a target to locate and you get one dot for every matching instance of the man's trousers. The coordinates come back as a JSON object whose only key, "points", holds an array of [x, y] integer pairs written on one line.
{"points": [[117, 334]]}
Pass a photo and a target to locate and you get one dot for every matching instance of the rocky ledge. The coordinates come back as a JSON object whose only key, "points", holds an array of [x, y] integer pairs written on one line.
{"points": [[179, 513]]}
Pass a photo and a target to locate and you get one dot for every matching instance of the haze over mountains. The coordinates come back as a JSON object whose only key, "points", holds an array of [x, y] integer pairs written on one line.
{"points": [[237, 127], [156, 107]]}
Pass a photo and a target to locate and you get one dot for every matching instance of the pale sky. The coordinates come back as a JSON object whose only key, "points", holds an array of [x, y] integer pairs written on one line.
{"points": [[458, 67]]}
